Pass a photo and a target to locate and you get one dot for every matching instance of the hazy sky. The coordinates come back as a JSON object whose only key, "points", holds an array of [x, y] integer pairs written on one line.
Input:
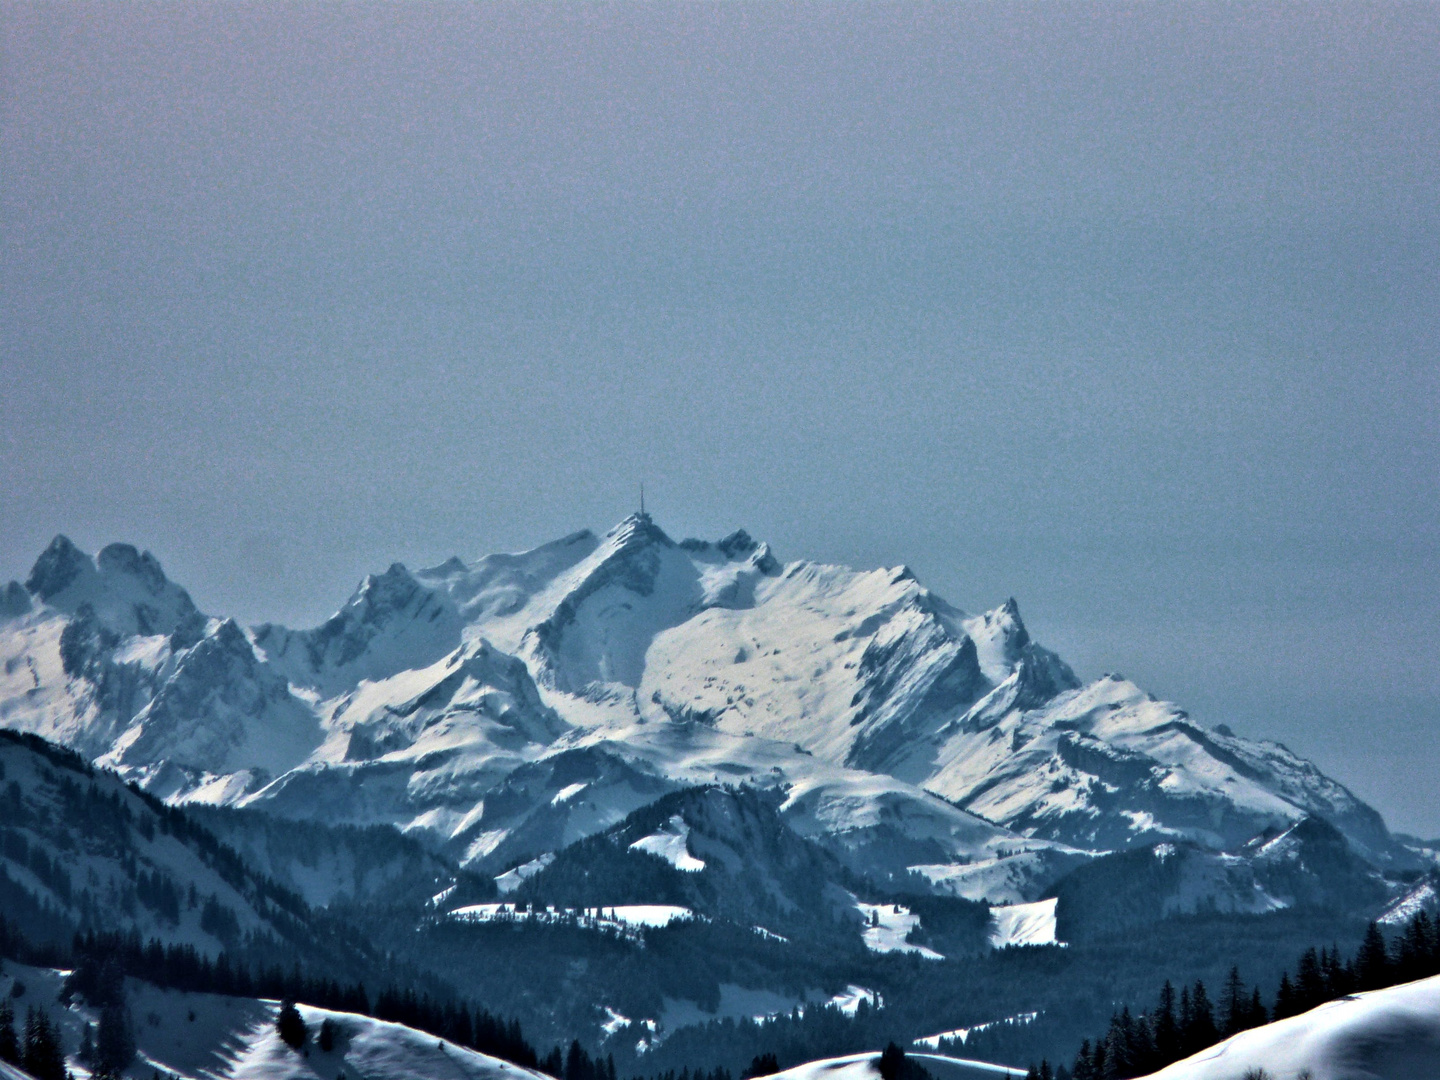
{"points": [[1130, 312]]}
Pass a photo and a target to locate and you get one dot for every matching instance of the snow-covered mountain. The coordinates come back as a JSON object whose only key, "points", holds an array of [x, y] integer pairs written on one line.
{"points": [[503, 708]]}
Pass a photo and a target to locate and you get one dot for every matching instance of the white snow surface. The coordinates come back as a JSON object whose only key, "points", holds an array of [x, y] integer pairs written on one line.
{"points": [[670, 845], [962, 1034], [865, 1067], [599, 918], [849, 999], [888, 925], [1390, 1034], [1420, 898], [1024, 924]]}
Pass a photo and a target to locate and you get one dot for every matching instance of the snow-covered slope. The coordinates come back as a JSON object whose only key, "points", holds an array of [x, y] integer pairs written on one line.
{"points": [[1390, 1034], [503, 708], [194, 1036], [866, 1067], [249, 1048]]}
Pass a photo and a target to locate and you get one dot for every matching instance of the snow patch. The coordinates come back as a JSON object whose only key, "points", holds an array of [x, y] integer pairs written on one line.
{"points": [[849, 999], [888, 925], [623, 916], [960, 1035], [567, 793], [670, 844], [1024, 924]]}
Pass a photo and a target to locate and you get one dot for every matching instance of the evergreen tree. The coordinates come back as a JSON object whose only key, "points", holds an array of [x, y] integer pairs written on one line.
{"points": [[1084, 1068], [1414, 954], [577, 1063], [1166, 1027], [1337, 976], [1257, 1015], [9, 1044], [1372, 963], [1235, 1004], [1309, 982], [1120, 1047], [1202, 1031], [43, 1057], [1285, 998], [327, 1035], [291, 1025], [892, 1062], [114, 1041]]}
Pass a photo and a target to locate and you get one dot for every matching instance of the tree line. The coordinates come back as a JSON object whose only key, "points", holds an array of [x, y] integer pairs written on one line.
{"points": [[1184, 1024]]}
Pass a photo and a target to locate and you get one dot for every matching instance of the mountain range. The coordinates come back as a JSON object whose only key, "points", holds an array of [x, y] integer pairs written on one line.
{"points": [[501, 709], [627, 785]]}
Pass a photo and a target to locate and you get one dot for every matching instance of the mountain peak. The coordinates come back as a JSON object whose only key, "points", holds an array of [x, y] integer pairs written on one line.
{"points": [[737, 545], [57, 568], [125, 588], [126, 559], [637, 530]]}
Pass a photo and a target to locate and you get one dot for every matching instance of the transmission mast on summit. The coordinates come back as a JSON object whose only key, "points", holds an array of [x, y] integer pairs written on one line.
{"points": [[642, 498]]}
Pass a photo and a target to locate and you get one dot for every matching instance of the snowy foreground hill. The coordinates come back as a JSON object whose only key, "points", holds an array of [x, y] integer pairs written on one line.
{"points": [[501, 709], [1390, 1034], [192, 1036]]}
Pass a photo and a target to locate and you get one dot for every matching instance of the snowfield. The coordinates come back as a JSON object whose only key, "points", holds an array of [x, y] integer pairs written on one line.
{"points": [[1024, 924], [621, 916], [670, 845], [1390, 1034], [888, 925]]}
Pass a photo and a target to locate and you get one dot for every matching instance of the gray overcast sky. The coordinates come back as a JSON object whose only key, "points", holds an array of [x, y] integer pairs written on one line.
{"points": [[1129, 311]]}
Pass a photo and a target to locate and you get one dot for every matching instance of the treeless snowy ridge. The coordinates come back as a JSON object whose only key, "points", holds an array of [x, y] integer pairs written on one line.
{"points": [[1390, 1034]]}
